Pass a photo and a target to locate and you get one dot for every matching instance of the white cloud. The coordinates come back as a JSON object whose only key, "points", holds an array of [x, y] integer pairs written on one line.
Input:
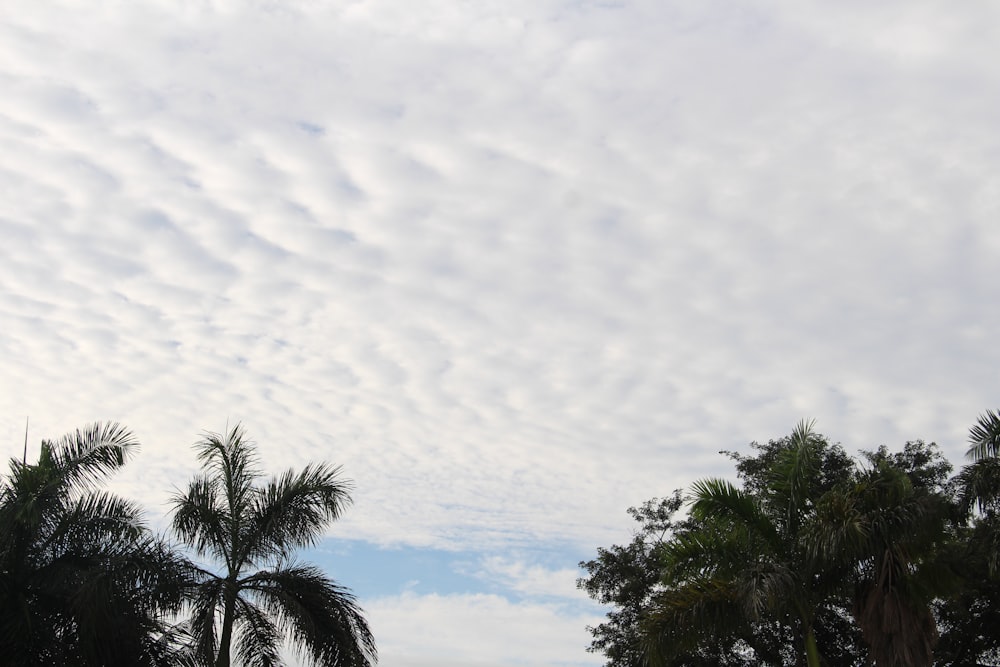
{"points": [[531, 579], [481, 630], [516, 266]]}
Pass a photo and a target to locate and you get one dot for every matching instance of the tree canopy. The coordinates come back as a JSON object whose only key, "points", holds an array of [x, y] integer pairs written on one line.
{"points": [[78, 565], [83, 581], [260, 594], [811, 557]]}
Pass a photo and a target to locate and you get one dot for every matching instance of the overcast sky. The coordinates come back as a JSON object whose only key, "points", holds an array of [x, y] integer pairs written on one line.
{"points": [[516, 265]]}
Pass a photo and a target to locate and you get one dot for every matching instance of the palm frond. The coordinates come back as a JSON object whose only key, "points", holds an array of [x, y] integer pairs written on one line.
{"points": [[793, 473], [233, 459], [714, 549], [293, 509], [763, 587], [979, 484], [984, 437], [172, 646], [838, 529], [87, 456], [201, 519], [989, 542], [718, 498], [681, 618], [321, 616], [258, 642], [897, 631], [158, 576], [100, 522], [203, 602], [715, 553]]}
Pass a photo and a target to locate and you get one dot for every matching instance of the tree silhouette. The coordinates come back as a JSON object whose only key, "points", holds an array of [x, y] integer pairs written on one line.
{"points": [[260, 594]]}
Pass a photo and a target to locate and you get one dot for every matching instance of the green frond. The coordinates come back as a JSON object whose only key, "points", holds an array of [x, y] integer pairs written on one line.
{"points": [[803, 432], [719, 499], [984, 437], [680, 619], [898, 512], [172, 646], [100, 523], [35, 494], [705, 550], [979, 485], [757, 583], [763, 587], [838, 528], [793, 473]]}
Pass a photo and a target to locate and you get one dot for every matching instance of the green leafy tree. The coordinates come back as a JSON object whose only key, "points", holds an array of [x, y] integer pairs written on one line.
{"points": [[816, 559], [260, 595], [82, 581], [979, 486], [698, 620], [970, 620], [893, 532], [626, 577], [745, 563]]}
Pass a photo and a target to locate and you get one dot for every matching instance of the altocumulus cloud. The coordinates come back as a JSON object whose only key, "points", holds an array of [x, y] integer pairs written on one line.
{"points": [[515, 265]]}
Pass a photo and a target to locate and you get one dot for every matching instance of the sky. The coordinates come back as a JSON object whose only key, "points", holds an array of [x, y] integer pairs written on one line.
{"points": [[515, 266]]}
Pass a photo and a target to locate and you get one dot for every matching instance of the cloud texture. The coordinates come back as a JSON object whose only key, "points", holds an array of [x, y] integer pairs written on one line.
{"points": [[515, 265]]}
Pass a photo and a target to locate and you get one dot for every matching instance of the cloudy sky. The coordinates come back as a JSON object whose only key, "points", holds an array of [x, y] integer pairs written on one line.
{"points": [[516, 265]]}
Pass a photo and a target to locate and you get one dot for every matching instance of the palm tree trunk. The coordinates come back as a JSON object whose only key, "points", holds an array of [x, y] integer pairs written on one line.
{"points": [[812, 651], [808, 636], [228, 614]]}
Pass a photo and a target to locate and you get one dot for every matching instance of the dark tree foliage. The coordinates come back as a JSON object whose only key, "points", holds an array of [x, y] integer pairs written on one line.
{"points": [[746, 562], [251, 527], [834, 466], [625, 576], [910, 556], [82, 581], [879, 549], [970, 620], [922, 462], [632, 577]]}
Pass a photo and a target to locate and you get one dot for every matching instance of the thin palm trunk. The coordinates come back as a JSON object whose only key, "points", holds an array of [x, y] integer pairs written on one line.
{"points": [[809, 646], [812, 650], [228, 616]]}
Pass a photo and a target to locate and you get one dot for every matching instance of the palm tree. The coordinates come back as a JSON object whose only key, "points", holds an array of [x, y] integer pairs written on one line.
{"points": [[979, 486], [261, 595], [745, 563], [893, 532], [970, 619], [77, 565]]}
